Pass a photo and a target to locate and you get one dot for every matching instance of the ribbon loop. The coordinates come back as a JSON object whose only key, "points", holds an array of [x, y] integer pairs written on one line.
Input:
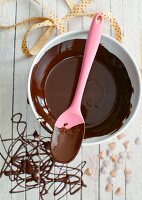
{"points": [[60, 24], [42, 41]]}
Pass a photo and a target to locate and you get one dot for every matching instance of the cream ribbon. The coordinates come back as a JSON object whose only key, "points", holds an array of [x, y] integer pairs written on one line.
{"points": [[60, 24]]}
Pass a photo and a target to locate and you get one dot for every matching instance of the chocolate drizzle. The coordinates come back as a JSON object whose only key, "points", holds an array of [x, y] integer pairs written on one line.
{"points": [[29, 164]]}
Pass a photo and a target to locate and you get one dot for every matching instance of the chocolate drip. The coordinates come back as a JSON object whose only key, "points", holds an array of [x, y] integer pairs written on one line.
{"points": [[106, 100], [29, 164]]}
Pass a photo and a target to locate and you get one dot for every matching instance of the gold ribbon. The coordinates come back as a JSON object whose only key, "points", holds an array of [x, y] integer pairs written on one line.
{"points": [[60, 24]]}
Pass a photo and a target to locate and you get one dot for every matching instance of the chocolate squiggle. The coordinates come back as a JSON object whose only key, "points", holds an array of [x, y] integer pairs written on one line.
{"points": [[29, 164]]}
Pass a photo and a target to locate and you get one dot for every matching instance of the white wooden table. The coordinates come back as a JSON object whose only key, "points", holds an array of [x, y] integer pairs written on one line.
{"points": [[14, 68]]}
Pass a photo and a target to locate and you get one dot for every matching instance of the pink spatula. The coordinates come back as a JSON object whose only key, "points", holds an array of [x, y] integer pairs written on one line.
{"points": [[70, 126]]}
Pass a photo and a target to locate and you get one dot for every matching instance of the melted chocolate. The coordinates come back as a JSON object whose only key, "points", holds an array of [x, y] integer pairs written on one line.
{"points": [[106, 100], [29, 164], [66, 143]]}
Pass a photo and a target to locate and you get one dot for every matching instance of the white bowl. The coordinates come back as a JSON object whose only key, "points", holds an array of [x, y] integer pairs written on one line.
{"points": [[115, 48]]}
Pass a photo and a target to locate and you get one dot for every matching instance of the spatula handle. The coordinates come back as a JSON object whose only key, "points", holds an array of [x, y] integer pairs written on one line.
{"points": [[91, 48]]}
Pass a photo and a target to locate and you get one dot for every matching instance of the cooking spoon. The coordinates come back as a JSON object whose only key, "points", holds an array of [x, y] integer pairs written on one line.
{"points": [[69, 128]]}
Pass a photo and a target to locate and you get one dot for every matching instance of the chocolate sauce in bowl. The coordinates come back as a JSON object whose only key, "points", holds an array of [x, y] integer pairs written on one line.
{"points": [[106, 100]]}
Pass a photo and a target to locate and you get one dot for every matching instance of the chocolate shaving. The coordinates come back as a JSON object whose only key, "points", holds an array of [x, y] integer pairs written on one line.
{"points": [[29, 164]]}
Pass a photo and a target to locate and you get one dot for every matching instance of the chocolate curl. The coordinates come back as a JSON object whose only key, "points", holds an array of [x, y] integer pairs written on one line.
{"points": [[59, 23]]}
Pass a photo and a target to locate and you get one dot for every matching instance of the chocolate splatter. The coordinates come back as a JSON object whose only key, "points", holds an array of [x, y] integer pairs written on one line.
{"points": [[29, 164]]}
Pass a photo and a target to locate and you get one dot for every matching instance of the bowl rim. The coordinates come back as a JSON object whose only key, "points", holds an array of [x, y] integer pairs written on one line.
{"points": [[44, 49]]}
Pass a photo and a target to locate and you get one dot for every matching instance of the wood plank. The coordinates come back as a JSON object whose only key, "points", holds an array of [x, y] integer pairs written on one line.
{"points": [[20, 75], [90, 153], [50, 195], [132, 28], [33, 10], [51, 6], [22, 65], [99, 180], [7, 38], [133, 189], [119, 181], [74, 164], [104, 176], [101, 6], [132, 35], [140, 31], [61, 10], [117, 12], [74, 25]]}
